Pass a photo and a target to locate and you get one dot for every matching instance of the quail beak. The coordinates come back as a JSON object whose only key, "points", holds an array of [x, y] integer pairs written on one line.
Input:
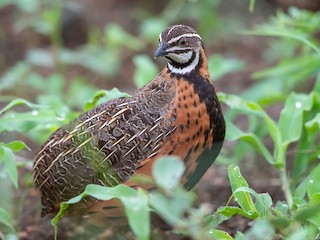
{"points": [[161, 51]]}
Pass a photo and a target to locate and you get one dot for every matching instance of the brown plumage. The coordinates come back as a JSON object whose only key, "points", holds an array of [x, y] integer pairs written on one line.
{"points": [[177, 113]]}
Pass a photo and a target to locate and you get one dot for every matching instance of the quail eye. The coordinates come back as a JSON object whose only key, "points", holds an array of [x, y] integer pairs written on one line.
{"points": [[182, 42]]}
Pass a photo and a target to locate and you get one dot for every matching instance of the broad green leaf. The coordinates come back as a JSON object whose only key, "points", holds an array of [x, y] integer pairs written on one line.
{"points": [[220, 66], [291, 117], [235, 102], [20, 101], [135, 204], [137, 211], [104, 193], [172, 206], [26, 121], [309, 184], [167, 172], [281, 208], [7, 156], [308, 212], [314, 124], [261, 228], [263, 204], [6, 220], [239, 236], [243, 198], [251, 5], [17, 146], [234, 133], [229, 211], [104, 96], [315, 201], [302, 233], [220, 235], [252, 108], [145, 71]]}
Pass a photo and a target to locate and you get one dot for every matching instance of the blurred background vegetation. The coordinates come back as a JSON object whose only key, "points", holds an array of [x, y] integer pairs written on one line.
{"points": [[60, 58]]}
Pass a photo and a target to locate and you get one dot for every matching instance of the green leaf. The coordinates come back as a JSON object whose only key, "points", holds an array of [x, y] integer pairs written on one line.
{"points": [[263, 204], [20, 101], [6, 220], [314, 124], [243, 198], [137, 211], [104, 96], [234, 133], [229, 211], [135, 204], [310, 184], [145, 71], [220, 235], [172, 207], [261, 228], [307, 212], [17, 146], [220, 66], [239, 236], [167, 172], [7, 156], [251, 5], [315, 201], [302, 233], [291, 117]]}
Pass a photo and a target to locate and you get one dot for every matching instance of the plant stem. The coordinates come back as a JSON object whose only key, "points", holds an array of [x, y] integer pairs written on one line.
{"points": [[286, 186]]}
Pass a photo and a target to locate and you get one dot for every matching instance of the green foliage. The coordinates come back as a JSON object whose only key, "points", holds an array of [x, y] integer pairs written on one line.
{"points": [[219, 66], [145, 71], [134, 202], [6, 220], [293, 137], [297, 53]]}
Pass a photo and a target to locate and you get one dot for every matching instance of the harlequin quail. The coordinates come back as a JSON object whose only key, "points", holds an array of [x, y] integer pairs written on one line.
{"points": [[177, 113]]}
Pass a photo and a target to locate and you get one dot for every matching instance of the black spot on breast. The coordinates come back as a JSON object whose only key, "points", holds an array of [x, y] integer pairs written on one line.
{"points": [[186, 159], [196, 147]]}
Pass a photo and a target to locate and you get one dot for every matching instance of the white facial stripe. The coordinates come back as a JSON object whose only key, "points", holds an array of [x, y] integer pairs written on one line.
{"points": [[160, 38], [187, 69], [181, 57], [184, 35], [177, 48]]}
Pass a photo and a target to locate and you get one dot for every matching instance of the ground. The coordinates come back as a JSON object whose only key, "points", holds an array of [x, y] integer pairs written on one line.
{"points": [[213, 189]]}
